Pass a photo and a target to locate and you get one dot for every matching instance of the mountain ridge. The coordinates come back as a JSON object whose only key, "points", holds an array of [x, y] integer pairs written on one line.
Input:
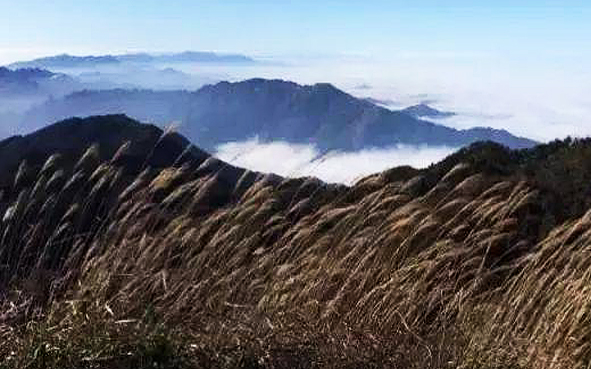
{"points": [[319, 114], [28, 81], [74, 61], [423, 110]]}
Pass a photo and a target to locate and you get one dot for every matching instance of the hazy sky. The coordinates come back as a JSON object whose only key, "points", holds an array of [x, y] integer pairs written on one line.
{"points": [[520, 65], [377, 28]]}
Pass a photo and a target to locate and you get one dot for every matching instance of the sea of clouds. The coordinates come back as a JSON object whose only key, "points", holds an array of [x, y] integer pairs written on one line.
{"points": [[297, 160]]}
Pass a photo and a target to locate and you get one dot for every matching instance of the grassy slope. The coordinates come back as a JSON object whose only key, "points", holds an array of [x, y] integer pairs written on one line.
{"points": [[479, 261]]}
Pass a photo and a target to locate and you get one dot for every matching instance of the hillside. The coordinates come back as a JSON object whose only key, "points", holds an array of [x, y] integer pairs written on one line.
{"points": [[271, 110], [71, 138], [480, 261]]}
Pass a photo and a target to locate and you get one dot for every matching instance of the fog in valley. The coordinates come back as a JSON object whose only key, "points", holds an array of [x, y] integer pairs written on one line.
{"points": [[541, 110], [459, 83], [294, 160]]}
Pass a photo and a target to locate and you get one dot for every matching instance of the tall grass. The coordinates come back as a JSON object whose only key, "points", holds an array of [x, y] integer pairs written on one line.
{"points": [[223, 268]]}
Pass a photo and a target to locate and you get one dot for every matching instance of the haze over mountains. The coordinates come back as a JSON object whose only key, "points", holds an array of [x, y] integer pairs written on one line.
{"points": [[162, 71], [306, 114], [65, 61], [35, 82], [55, 76], [23, 88], [479, 98], [316, 129], [272, 110], [27, 81]]}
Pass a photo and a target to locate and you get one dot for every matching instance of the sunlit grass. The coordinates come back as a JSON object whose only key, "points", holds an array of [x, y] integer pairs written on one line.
{"points": [[460, 266]]}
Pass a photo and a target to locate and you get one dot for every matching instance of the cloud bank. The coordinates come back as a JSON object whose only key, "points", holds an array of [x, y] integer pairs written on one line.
{"points": [[293, 160]]}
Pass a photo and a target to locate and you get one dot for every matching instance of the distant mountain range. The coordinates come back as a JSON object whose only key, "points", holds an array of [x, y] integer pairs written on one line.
{"points": [[29, 81], [271, 110], [20, 89], [66, 61]]}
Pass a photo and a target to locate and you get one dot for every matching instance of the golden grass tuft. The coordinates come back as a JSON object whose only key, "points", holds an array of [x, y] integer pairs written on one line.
{"points": [[200, 266]]}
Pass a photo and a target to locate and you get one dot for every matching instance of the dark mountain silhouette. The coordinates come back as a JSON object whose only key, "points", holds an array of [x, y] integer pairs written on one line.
{"points": [[128, 144], [272, 110], [72, 137], [425, 111], [66, 61]]}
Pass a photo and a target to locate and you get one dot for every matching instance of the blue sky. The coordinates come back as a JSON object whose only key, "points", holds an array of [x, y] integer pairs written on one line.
{"points": [[524, 66], [367, 28]]}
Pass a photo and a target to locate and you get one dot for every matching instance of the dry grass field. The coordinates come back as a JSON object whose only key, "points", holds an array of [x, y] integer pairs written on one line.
{"points": [[480, 261]]}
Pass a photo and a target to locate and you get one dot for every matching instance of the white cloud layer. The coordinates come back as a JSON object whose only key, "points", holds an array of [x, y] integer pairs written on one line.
{"points": [[536, 97], [304, 160]]}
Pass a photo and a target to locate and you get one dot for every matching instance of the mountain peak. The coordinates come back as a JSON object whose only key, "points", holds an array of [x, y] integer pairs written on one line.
{"points": [[273, 110], [71, 137], [423, 110]]}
